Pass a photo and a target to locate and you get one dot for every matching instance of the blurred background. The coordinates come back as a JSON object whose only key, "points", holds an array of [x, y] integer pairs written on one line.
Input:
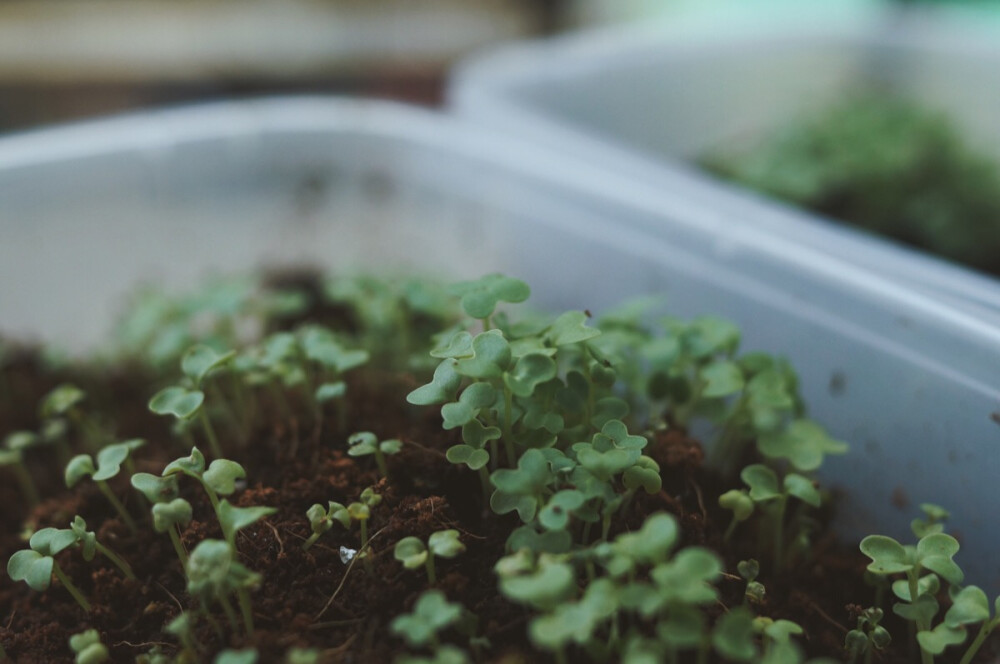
{"points": [[66, 59]]}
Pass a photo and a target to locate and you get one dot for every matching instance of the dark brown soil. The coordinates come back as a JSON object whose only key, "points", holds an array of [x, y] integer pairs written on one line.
{"points": [[311, 598]]}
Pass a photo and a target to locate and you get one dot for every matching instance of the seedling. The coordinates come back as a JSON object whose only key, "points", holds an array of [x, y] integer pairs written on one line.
{"points": [[64, 402], [213, 575], [755, 592], [109, 463], [55, 540], [365, 442], [432, 613], [35, 567], [868, 637], [413, 553], [88, 648], [740, 504], [244, 656], [481, 297], [14, 459], [765, 488], [321, 520], [218, 479], [170, 517], [233, 519], [182, 627]]}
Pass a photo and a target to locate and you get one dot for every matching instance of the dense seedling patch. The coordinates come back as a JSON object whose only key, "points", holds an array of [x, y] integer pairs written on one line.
{"points": [[515, 487]]}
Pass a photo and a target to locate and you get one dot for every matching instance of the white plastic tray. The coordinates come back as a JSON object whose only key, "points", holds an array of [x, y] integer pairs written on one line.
{"points": [[641, 100], [90, 210]]}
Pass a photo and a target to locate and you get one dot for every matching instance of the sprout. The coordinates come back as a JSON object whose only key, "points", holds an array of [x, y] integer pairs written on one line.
{"points": [[64, 401], [218, 479], [109, 463], [88, 648], [431, 614], [234, 518], [169, 517], [213, 575], [412, 552], [365, 442], [321, 520], [868, 637], [481, 297], [244, 656], [35, 566], [755, 592]]}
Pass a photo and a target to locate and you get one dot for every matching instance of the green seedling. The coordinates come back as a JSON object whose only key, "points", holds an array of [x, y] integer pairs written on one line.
{"points": [[413, 553], [170, 517], [14, 459], [88, 648], [740, 504], [365, 443], [213, 575], [932, 553], [868, 637], [765, 488], [36, 566], [109, 463], [219, 479], [64, 402], [321, 520], [933, 523], [182, 627], [755, 592], [431, 614], [55, 540], [575, 622], [302, 656], [969, 607], [542, 584], [481, 297], [233, 519]]}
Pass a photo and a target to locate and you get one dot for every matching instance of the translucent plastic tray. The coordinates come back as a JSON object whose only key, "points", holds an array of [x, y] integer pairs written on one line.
{"points": [[642, 100], [89, 211]]}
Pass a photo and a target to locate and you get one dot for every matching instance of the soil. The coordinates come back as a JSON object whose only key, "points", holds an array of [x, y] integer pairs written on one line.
{"points": [[312, 599]]}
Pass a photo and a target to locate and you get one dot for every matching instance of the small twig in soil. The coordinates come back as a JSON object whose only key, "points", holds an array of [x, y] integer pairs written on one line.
{"points": [[426, 449], [171, 595], [343, 647], [815, 607], [335, 623], [281, 544], [350, 566], [144, 644], [701, 502]]}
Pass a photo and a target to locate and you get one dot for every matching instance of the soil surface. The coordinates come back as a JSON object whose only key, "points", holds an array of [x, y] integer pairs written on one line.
{"points": [[311, 598]]}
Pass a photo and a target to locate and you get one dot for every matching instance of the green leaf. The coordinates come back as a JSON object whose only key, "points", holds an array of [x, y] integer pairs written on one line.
{"points": [[111, 457], [942, 636], [934, 552], [645, 474], [156, 489], [545, 588], [888, 556], [708, 335], [529, 372], [969, 606], [472, 457], [431, 614], [174, 512], [803, 489], [476, 435], [445, 543], [688, 578], [80, 466], [570, 328], [50, 541], [221, 476], [88, 648], [556, 513], [86, 538], [733, 635], [923, 610], [177, 401], [530, 478], [194, 464], [492, 356], [781, 631], [721, 379], [233, 519], [442, 387], [604, 465], [653, 542], [330, 391], [244, 656], [458, 345], [20, 440], [762, 481], [362, 443], [505, 503], [738, 502], [31, 567], [199, 360], [411, 551], [480, 297], [929, 584], [804, 443], [61, 400], [473, 398]]}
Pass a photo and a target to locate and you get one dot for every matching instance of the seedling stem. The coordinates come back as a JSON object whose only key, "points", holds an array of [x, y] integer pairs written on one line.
{"points": [[73, 590], [117, 504]]}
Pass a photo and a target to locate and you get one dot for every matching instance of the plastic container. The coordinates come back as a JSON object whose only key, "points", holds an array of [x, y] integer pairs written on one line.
{"points": [[91, 210], [642, 100]]}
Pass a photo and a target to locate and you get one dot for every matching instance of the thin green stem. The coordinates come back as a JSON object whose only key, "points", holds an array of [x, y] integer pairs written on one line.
{"points": [[369, 566], [912, 578], [431, 576], [227, 608], [984, 631], [175, 539], [73, 590], [726, 536], [28, 488], [244, 601], [309, 542], [484, 480], [117, 504], [213, 441], [779, 534], [508, 442], [380, 461], [116, 559]]}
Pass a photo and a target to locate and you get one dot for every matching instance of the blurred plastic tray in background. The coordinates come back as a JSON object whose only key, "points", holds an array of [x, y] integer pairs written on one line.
{"points": [[93, 209], [641, 100]]}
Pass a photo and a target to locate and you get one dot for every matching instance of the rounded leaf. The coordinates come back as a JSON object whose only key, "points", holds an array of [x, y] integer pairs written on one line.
{"points": [[189, 465], [762, 481], [445, 543], [721, 379], [480, 297], [888, 556], [411, 552], [79, 467], [60, 400], [156, 489], [31, 567], [233, 518], [175, 512], [570, 328], [544, 588], [442, 387], [177, 401], [470, 456], [803, 489], [969, 606], [50, 541], [738, 502], [221, 476], [199, 360]]}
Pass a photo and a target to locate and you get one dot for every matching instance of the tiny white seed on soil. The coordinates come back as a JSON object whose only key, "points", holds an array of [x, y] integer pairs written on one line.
{"points": [[347, 555]]}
